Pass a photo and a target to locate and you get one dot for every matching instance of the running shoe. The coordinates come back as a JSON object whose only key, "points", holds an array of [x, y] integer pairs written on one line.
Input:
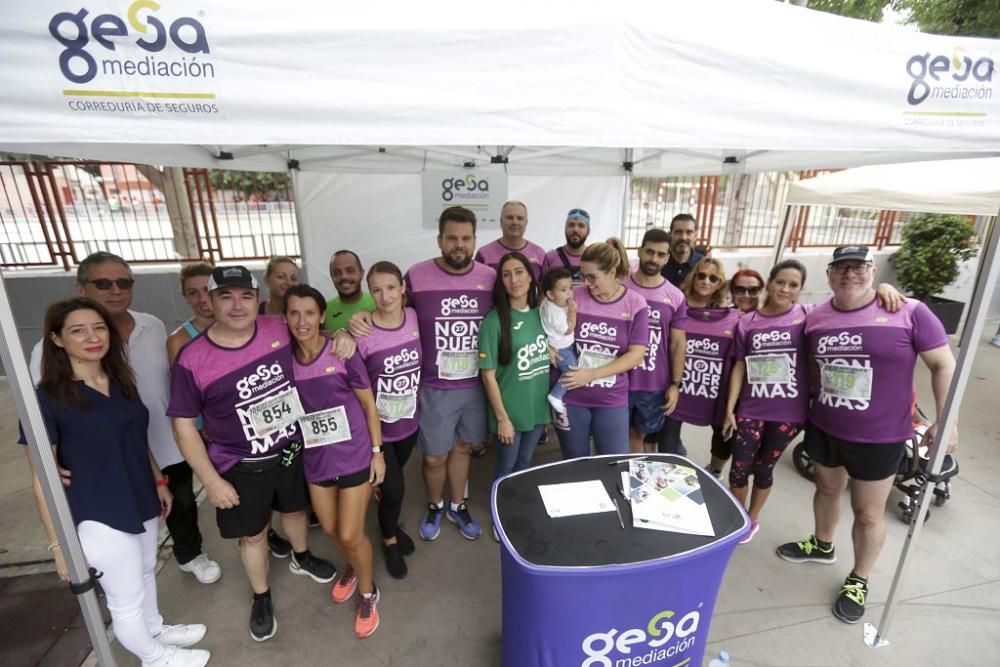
{"points": [[181, 657], [430, 526], [557, 404], [807, 551], [405, 542], [345, 586], [204, 569], [263, 625], [279, 546], [367, 619], [313, 520], [754, 526], [319, 570], [995, 341], [395, 564], [479, 449], [714, 472], [468, 526], [181, 635], [850, 604]]}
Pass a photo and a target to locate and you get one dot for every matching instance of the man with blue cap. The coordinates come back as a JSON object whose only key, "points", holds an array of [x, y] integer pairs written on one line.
{"points": [[568, 256]]}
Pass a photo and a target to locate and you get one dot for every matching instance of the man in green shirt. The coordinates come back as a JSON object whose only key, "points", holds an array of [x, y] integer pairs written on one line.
{"points": [[346, 273]]}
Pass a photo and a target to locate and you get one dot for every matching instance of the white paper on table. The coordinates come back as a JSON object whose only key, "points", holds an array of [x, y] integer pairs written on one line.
{"points": [[574, 498]]}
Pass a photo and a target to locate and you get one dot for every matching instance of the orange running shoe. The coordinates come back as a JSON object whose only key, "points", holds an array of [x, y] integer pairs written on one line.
{"points": [[344, 586], [367, 619]]}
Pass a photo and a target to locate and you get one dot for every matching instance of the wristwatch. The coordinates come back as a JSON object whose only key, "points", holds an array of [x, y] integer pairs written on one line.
{"points": [[377, 450], [675, 383]]}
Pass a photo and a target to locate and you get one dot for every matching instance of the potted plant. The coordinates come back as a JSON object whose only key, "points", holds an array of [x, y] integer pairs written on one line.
{"points": [[928, 261]]}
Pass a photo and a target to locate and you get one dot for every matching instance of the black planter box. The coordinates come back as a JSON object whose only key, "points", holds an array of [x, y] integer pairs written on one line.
{"points": [[948, 311]]}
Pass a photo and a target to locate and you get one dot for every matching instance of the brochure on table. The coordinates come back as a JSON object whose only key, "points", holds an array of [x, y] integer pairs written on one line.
{"points": [[575, 498], [666, 496]]}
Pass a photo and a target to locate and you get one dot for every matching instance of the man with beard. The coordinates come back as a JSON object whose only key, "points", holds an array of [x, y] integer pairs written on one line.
{"points": [[451, 294], [577, 230], [654, 385], [683, 258], [513, 222], [346, 273]]}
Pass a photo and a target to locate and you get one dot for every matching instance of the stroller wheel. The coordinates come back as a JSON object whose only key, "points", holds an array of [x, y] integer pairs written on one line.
{"points": [[802, 460]]}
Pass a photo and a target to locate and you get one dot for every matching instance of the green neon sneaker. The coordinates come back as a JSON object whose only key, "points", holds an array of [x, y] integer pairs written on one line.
{"points": [[807, 551], [850, 604]]}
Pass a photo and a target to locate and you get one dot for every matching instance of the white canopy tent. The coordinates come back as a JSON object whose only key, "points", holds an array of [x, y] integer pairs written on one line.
{"points": [[378, 91]]}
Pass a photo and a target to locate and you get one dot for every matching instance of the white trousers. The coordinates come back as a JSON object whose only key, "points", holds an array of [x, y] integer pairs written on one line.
{"points": [[129, 565]]}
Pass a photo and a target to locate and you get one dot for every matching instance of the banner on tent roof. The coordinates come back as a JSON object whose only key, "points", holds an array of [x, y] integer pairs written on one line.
{"points": [[484, 191]]}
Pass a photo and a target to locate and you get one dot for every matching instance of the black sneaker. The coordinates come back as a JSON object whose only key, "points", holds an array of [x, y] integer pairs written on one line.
{"points": [[263, 625], [807, 551], [406, 546], [313, 520], [319, 570], [394, 561], [850, 604], [279, 546]]}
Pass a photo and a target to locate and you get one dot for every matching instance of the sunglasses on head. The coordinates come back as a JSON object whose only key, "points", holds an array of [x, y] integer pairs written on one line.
{"points": [[710, 277], [104, 284], [577, 211], [745, 291]]}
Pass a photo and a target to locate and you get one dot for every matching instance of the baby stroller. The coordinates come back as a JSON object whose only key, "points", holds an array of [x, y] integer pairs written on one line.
{"points": [[913, 470]]}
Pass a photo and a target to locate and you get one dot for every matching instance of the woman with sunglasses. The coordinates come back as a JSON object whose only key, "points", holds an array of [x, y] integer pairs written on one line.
{"points": [[612, 330], [392, 358], [97, 426], [343, 447], [280, 274], [745, 288], [710, 329]]}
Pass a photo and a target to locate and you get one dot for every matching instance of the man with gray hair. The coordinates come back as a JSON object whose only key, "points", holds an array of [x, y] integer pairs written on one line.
{"points": [[107, 279], [513, 223]]}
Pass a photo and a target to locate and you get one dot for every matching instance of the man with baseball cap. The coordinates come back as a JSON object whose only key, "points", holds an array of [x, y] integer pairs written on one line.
{"points": [[568, 256], [864, 358], [238, 376]]}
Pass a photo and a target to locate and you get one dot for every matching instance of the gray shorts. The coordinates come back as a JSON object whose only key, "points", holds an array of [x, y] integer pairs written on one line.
{"points": [[448, 416]]}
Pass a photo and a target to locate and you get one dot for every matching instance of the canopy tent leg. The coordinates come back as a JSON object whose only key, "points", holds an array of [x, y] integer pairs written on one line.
{"points": [[875, 635], [627, 192], [782, 240], [300, 223], [48, 475]]}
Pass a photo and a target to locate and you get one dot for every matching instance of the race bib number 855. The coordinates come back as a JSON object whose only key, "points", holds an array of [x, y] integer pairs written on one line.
{"points": [[326, 427]]}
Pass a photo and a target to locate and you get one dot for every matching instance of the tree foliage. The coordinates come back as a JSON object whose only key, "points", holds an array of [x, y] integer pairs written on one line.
{"points": [[869, 10], [966, 18], [933, 245], [249, 183]]}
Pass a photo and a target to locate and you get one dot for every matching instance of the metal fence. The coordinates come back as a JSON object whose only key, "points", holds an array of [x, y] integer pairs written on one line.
{"points": [[55, 213]]}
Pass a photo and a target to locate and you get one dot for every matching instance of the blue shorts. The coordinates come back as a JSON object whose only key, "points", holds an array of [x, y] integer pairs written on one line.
{"points": [[645, 410]]}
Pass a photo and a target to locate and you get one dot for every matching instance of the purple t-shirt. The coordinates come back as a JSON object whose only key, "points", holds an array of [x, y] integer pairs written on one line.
{"points": [[449, 309], [554, 261], [667, 310], [605, 331], [874, 402], [708, 360], [326, 383], [392, 359], [222, 384], [491, 254], [773, 344]]}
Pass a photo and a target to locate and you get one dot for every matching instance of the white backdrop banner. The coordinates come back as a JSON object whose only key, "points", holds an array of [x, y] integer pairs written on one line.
{"points": [[711, 74], [483, 191], [377, 216]]}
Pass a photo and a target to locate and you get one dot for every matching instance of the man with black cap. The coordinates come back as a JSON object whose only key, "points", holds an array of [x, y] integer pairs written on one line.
{"points": [[682, 256], [238, 376], [568, 256], [864, 358]]}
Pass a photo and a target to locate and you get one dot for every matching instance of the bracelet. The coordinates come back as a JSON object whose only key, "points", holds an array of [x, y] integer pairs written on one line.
{"points": [[163, 481], [53, 545]]}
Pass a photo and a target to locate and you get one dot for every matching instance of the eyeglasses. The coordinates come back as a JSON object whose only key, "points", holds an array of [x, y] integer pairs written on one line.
{"points": [[710, 277], [745, 291], [104, 284], [590, 278], [857, 268]]}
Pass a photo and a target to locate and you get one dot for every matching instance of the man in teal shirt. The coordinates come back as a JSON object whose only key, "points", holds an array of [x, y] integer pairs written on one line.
{"points": [[346, 273]]}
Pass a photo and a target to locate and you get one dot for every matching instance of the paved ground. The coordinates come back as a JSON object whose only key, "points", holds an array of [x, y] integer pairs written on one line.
{"points": [[447, 613]]}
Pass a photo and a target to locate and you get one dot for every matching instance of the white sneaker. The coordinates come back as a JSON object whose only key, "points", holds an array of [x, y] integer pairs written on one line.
{"points": [[181, 635], [557, 404], [181, 657], [204, 569], [995, 341]]}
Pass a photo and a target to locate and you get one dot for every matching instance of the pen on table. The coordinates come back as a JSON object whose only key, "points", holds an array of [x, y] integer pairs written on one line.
{"points": [[619, 513], [634, 458]]}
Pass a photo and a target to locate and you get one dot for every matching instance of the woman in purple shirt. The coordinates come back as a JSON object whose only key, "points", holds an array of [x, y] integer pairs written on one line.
{"points": [[612, 329], [343, 447]]}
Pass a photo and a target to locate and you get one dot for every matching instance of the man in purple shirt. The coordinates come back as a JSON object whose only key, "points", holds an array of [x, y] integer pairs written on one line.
{"points": [[863, 360], [513, 223], [568, 256], [238, 376]]}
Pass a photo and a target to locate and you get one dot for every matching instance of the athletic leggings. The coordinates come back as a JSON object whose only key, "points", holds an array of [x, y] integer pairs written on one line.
{"points": [[757, 446], [394, 485], [608, 426], [129, 565]]}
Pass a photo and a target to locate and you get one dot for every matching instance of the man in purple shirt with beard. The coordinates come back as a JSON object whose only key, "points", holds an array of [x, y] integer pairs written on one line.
{"points": [[863, 359]]}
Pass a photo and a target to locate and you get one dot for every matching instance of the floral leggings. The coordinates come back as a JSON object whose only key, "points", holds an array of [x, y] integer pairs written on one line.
{"points": [[757, 446]]}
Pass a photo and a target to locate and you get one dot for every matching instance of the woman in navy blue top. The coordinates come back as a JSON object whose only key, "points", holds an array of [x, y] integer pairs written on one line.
{"points": [[96, 424]]}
